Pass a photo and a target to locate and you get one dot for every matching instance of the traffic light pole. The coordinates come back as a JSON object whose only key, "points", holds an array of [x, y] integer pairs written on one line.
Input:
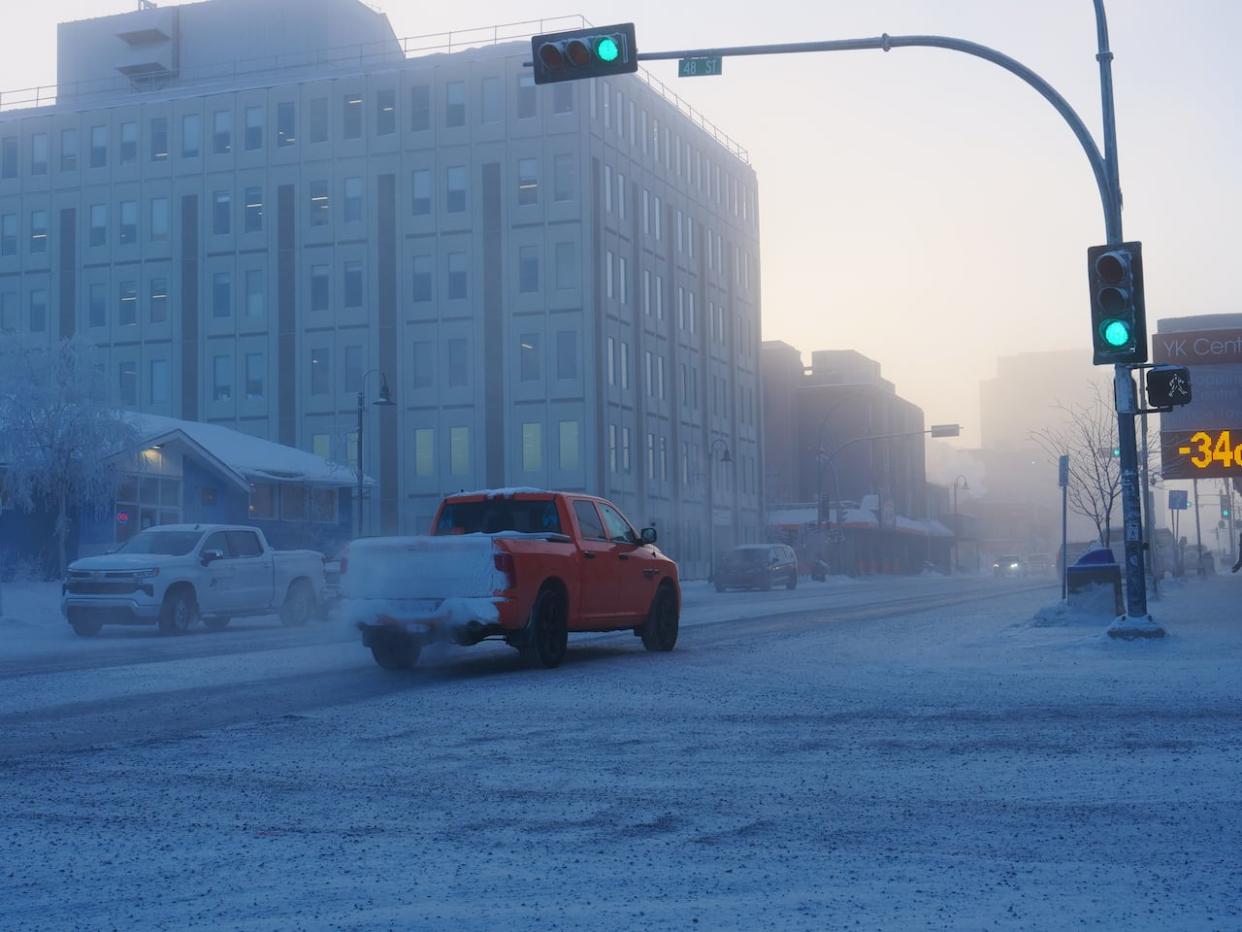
{"points": [[1136, 622]]}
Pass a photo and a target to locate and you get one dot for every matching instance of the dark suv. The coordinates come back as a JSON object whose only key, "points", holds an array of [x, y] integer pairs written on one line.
{"points": [[757, 566]]}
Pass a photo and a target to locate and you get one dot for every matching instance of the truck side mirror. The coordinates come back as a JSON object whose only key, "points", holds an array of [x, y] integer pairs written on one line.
{"points": [[211, 556], [649, 535]]}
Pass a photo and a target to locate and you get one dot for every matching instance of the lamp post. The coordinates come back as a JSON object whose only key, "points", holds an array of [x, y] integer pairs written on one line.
{"points": [[384, 400], [958, 483], [725, 457]]}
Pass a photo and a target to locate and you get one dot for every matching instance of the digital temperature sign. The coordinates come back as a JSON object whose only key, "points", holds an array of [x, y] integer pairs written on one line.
{"points": [[1201, 454]]}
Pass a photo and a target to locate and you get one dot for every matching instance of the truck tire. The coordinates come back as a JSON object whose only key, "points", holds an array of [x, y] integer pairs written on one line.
{"points": [[396, 653], [659, 631], [179, 612], [218, 623], [86, 627], [299, 604], [547, 635]]}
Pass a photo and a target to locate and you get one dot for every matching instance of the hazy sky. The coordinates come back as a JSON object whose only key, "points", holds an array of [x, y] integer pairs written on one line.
{"points": [[922, 206]]}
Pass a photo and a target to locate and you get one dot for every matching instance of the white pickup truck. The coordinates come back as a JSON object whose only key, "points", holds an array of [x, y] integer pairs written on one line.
{"points": [[175, 574]]}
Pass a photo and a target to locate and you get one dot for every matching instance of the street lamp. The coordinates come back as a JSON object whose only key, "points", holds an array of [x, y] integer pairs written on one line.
{"points": [[383, 401], [958, 483], [725, 457]]}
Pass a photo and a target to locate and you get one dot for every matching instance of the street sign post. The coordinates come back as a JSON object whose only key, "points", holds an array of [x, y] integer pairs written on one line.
{"points": [[702, 67], [1063, 481]]}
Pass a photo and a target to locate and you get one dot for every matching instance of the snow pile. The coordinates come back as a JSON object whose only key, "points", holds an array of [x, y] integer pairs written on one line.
{"points": [[1089, 607]]}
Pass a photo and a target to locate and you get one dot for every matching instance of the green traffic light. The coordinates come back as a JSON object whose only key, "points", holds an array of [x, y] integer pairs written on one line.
{"points": [[607, 49], [1116, 333]]}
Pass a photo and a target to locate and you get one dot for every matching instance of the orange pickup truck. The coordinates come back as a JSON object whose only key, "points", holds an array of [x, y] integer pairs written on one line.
{"points": [[523, 565]]}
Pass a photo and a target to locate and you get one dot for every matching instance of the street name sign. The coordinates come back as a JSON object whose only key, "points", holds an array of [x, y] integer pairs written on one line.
{"points": [[699, 67]]}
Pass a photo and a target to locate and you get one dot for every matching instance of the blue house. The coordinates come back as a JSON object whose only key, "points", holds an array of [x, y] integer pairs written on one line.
{"points": [[188, 471]]}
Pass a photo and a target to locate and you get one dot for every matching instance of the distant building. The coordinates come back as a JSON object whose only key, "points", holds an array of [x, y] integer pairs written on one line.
{"points": [[812, 416], [252, 205]]}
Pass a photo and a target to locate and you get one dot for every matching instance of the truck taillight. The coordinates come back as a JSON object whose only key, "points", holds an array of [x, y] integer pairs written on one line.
{"points": [[504, 564]]}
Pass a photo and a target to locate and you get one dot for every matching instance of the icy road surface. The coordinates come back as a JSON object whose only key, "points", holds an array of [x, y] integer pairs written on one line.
{"points": [[885, 754]]}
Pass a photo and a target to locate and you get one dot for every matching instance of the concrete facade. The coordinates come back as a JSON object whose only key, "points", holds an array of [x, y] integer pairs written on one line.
{"points": [[560, 284]]}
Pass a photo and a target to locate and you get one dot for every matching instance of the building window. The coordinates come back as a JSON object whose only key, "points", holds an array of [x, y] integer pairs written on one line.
{"points": [[566, 265], [99, 226], [562, 98], [222, 132], [127, 383], [321, 371], [97, 305], [128, 225], [624, 367], [254, 376], [562, 177], [127, 315], [255, 298], [38, 310], [420, 187], [456, 275], [351, 121], [222, 378], [318, 203], [421, 291], [38, 231], [353, 369], [159, 219], [320, 288], [8, 312], [221, 213], [191, 137], [532, 446], [623, 280], [252, 218], [459, 451], [157, 300], [651, 464], [99, 146], [254, 128], [455, 203], [568, 453], [528, 182], [38, 154], [608, 189], [222, 294], [528, 269], [612, 447], [8, 235], [529, 357], [386, 112], [455, 104], [493, 101], [526, 100], [612, 361], [129, 142], [69, 141], [458, 372], [157, 381], [566, 355], [8, 157], [420, 108], [286, 124], [353, 200], [608, 273], [423, 364], [625, 449], [319, 120], [353, 283], [424, 452]]}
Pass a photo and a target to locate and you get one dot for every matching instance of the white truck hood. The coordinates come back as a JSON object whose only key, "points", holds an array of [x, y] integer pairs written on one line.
{"points": [[125, 562]]}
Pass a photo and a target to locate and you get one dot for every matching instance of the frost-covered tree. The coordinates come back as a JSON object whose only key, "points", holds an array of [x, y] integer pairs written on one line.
{"points": [[58, 433]]}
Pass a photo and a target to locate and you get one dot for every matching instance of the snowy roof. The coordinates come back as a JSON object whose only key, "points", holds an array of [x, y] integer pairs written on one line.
{"points": [[253, 459]]}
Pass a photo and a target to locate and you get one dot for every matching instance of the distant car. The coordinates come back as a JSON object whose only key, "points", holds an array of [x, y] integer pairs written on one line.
{"points": [[757, 566], [1008, 565]]}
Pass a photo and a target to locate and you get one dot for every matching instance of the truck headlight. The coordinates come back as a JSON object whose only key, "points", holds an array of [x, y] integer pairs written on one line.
{"points": [[146, 574]]}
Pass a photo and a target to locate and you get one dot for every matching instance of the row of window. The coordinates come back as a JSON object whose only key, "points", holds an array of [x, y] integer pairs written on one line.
{"points": [[252, 135], [672, 151]]}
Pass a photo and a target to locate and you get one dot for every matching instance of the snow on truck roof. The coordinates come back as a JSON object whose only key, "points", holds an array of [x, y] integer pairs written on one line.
{"points": [[501, 493]]}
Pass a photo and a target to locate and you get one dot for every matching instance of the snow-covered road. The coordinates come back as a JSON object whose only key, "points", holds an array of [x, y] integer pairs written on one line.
{"points": [[826, 758]]}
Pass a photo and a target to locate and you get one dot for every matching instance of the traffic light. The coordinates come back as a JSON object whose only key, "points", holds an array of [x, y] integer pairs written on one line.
{"points": [[1168, 386], [1118, 314], [584, 53], [1225, 506]]}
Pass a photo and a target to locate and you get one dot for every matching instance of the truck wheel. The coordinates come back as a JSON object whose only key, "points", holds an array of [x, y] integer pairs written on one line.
{"points": [[86, 627], [547, 635], [396, 653], [179, 613], [219, 623], [659, 631], [299, 605]]}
